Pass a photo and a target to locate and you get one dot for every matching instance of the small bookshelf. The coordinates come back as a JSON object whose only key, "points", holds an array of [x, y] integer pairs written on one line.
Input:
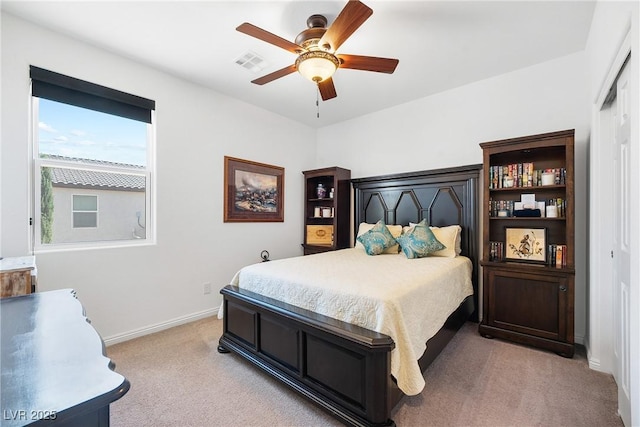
{"points": [[327, 196]]}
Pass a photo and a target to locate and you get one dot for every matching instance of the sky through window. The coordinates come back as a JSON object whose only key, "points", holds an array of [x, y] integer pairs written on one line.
{"points": [[71, 131]]}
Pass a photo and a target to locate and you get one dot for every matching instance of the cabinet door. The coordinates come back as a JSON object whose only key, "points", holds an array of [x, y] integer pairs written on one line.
{"points": [[528, 303]]}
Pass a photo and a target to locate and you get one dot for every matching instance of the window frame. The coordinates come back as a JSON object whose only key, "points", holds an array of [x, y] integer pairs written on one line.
{"points": [[37, 163], [74, 211]]}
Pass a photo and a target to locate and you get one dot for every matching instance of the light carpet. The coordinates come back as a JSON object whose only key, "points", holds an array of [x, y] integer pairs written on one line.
{"points": [[179, 379]]}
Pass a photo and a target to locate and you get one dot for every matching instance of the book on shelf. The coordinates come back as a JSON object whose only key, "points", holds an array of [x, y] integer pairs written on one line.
{"points": [[557, 255], [496, 251], [522, 175]]}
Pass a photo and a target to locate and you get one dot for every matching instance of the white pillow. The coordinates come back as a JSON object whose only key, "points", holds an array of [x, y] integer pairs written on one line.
{"points": [[396, 231], [448, 236]]}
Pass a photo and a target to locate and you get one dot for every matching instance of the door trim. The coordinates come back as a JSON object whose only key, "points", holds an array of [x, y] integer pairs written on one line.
{"points": [[599, 343]]}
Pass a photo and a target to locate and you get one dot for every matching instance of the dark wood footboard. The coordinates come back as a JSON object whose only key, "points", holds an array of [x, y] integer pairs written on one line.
{"points": [[343, 368]]}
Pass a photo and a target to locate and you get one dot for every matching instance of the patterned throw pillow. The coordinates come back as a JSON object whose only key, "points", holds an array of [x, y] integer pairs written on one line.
{"points": [[395, 230], [419, 242], [449, 236], [376, 240]]}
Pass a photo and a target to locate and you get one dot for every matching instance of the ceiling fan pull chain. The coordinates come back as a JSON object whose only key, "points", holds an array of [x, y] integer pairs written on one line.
{"points": [[317, 101]]}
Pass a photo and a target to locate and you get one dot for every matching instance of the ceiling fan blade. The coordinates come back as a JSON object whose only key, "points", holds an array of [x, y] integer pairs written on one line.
{"points": [[327, 89], [368, 63], [275, 75], [268, 37], [350, 18]]}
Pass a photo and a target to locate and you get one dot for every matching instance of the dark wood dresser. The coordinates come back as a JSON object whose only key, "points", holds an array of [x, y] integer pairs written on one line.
{"points": [[54, 368]]}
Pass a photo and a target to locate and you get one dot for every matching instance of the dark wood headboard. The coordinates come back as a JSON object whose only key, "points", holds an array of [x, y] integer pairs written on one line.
{"points": [[442, 196]]}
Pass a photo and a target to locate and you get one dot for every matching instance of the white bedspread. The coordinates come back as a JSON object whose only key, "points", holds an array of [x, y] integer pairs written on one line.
{"points": [[407, 299]]}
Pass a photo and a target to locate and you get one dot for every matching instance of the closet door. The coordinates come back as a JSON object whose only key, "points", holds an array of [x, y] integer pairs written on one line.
{"points": [[622, 246]]}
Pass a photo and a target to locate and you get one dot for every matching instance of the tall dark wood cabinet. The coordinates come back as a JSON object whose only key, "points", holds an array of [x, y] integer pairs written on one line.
{"points": [[528, 241], [327, 196]]}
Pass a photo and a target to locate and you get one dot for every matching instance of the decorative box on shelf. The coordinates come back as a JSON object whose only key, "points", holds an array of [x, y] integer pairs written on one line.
{"points": [[320, 235]]}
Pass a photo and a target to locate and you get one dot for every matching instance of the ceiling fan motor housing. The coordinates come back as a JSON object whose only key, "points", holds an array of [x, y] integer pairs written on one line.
{"points": [[310, 37]]}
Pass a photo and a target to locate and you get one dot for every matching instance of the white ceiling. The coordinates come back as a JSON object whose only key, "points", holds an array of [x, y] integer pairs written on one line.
{"points": [[440, 44]]}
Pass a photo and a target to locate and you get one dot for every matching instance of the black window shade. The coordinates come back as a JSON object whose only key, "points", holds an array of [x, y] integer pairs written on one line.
{"points": [[58, 87]]}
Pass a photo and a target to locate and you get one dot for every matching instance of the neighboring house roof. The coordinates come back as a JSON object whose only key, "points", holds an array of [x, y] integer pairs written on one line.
{"points": [[83, 178]]}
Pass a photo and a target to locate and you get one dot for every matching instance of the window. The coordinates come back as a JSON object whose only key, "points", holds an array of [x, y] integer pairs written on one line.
{"points": [[91, 144], [85, 211]]}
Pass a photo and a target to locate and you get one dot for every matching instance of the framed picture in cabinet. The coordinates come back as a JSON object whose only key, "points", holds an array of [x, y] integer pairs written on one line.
{"points": [[253, 192], [526, 244]]}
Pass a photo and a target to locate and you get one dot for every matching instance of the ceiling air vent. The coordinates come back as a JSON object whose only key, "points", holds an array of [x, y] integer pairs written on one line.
{"points": [[252, 62]]}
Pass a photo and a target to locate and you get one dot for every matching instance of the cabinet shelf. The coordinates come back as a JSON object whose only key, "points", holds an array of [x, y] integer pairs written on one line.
{"points": [[524, 302], [526, 218], [535, 188], [324, 200], [526, 267]]}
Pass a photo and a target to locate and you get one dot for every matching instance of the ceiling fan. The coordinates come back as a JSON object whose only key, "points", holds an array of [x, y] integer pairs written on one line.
{"points": [[316, 49]]}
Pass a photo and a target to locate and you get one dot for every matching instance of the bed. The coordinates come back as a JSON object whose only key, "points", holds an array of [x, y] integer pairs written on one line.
{"points": [[344, 362]]}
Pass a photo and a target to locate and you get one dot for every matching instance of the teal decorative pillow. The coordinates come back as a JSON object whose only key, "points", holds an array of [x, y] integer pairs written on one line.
{"points": [[419, 242], [423, 222], [376, 240]]}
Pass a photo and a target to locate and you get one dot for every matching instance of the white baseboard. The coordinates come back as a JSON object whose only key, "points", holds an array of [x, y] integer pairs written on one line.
{"points": [[136, 333], [594, 362]]}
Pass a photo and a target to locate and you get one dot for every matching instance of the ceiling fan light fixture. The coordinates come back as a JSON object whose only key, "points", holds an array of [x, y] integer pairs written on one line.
{"points": [[317, 65]]}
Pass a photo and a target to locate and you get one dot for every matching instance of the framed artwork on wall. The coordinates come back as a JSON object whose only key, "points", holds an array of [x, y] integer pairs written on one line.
{"points": [[253, 192], [526, 244]]}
